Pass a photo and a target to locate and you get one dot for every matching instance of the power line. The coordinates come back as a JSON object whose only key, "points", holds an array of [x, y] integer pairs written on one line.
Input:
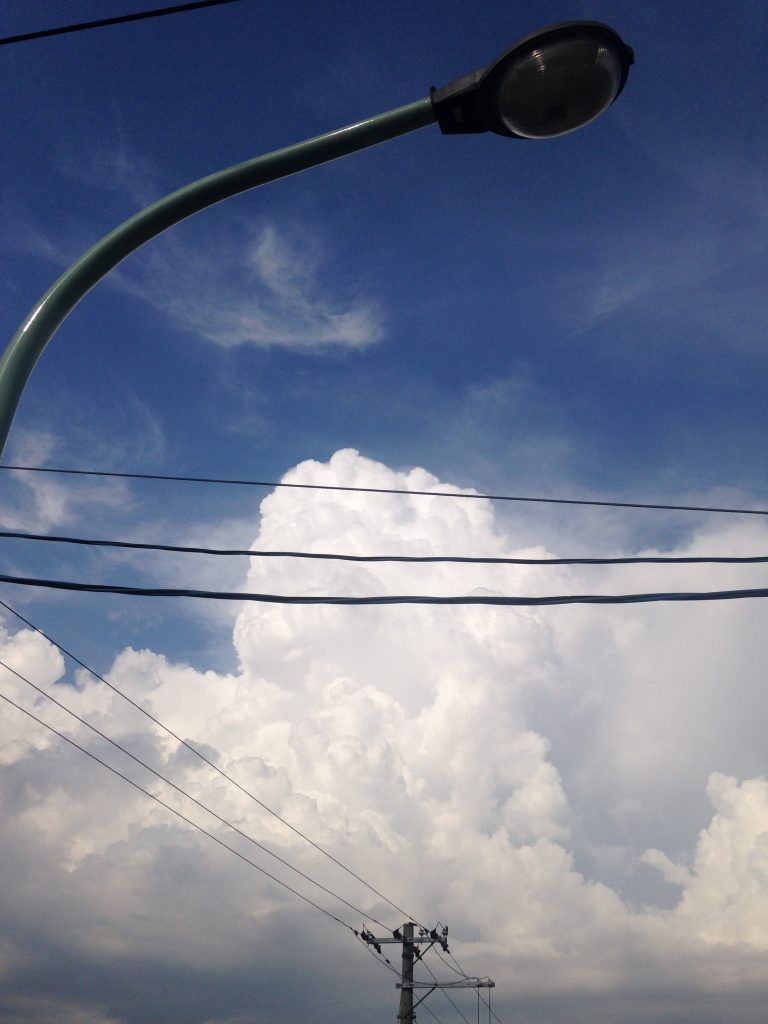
{"points": [[178, 814], [192, 749], [388, 599], [383, 960], [389, 490], [465, 559], [188, 796], [491, 1011], [182, 792], [431, 1014], [118, 20], [464, 974], [378, 957], [456, 970], [429, 969]]}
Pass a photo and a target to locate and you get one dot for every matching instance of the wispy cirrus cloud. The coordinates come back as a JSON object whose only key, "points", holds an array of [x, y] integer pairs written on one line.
{"points": [[33, 501], [694, 266], [263, 289], [268, 286]]}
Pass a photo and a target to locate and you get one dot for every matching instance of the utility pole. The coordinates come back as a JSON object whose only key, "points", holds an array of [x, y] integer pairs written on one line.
{"points": [[405, 936], [406, 975]]}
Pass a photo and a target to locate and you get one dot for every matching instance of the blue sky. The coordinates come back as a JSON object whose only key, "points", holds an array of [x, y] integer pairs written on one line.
{"points": [[582, 317]]}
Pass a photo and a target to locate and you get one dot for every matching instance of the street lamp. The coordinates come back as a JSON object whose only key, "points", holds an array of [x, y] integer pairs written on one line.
{"points": [[550, 83]]}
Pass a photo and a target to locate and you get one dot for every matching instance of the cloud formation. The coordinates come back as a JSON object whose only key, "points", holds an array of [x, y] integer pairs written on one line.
{"points": [[514, 772], [264, 291], [264, 287], [39, 501]]}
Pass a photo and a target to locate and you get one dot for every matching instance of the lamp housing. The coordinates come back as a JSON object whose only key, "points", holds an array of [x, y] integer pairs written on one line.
{"points": [[552, 82]]}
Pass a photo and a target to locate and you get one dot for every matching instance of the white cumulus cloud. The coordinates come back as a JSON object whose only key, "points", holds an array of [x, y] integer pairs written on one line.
{"points": [[473, 763]]}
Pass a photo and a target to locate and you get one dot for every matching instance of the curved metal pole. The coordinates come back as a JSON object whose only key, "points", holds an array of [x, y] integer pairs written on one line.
{"points": [[39, 326]]}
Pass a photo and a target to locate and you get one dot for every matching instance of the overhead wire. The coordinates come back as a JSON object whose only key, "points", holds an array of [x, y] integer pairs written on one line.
{"points": [[447, 996], [378, 957], [458, 969], [450, 967], [388, 490], [178, 813], [119, 19], [398, 975], [723, 595], [420, 559], [206, 760], [185, 819], [491, 1011], [384, 960], [182, 792], [188, 796], [431, 1013], [389, 599], [313, 555]]}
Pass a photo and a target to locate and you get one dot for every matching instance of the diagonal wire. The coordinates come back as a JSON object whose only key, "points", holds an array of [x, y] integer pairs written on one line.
{"points": [[189, 796], [458, 969], [120, 19], [173, 810], [195, 825], [434, 1015], [385, 962], [491, 1011], [388, 965], [447, 996], [379, 958], [391, 490], [188, 746], [464, 974], [450, 967]]}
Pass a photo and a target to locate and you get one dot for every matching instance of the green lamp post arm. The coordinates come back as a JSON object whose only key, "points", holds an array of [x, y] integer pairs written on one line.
{"points": [[39, 326]]}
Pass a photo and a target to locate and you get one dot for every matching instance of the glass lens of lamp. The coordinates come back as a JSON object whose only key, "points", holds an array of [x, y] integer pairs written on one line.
{"points": [[558, 87]]}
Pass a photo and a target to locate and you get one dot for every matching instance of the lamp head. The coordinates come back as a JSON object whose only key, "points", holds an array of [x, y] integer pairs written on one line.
{"points": [[548, 84]]}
